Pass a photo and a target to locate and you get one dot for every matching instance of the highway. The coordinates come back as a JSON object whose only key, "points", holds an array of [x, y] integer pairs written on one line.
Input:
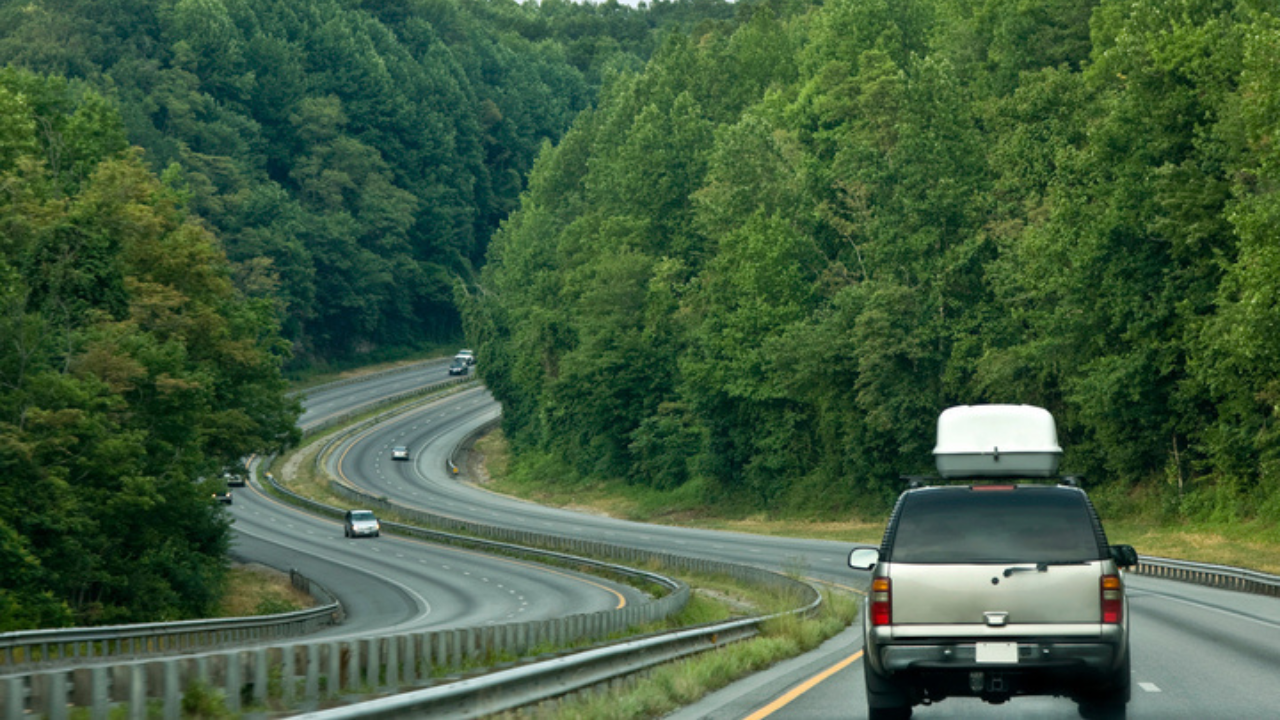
{"points": [[1198, 652], [340, 397], [394, 584]]}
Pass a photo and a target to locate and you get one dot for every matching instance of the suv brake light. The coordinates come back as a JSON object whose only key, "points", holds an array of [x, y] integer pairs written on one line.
{"points": [[881, 602], [1112, 599]]}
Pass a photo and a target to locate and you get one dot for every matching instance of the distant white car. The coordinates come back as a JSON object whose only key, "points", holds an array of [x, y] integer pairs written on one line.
{"points": [[361, 523], [400, 452], [467, 355]]}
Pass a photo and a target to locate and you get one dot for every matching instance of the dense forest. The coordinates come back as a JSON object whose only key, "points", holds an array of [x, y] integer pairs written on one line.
{"points": [[756, 271], [197, 196], [353, 158], [131, 367]]}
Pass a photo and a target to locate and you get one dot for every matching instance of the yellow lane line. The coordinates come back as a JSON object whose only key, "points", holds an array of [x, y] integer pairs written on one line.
{"points": [[802, 688]]}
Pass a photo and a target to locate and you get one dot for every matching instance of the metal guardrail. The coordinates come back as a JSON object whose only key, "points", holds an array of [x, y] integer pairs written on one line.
{"points": [[1218, 576], [28, 649], [464, 446], [506, 690]]}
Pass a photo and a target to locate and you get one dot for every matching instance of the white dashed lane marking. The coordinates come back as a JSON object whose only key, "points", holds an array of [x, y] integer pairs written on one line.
{"points": [[1149, 687]]}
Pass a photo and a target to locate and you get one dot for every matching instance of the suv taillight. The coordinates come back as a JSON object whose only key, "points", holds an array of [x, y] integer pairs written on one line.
{"points": [[1112, 599], [881, 602]]}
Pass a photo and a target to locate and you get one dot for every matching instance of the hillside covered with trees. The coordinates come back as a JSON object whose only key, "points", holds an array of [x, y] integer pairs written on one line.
{"points": [[130, 368], [197, 195], [353, 158], [759, 268]]}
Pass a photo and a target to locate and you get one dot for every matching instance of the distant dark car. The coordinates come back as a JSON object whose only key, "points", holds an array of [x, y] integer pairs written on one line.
{"points": [[399, 452], [459, 366], [223, 497], [361, 523]]}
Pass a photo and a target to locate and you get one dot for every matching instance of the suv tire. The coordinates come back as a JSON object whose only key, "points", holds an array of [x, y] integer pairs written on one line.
{"points": [[885, 700], [1110, 704]]}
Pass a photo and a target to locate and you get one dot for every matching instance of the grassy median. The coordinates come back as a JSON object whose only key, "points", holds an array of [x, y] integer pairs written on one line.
{"points": [[1134, 518]]}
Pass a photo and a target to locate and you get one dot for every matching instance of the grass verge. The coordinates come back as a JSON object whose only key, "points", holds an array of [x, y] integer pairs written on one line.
{"points": [[259, 590], [675, 685]]}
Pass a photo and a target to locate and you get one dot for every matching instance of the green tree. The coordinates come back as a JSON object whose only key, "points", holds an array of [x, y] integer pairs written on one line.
{"points": [[131, 368]]}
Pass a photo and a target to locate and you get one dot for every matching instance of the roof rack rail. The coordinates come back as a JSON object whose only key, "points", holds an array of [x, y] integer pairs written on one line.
{"points": [[919, 481]]}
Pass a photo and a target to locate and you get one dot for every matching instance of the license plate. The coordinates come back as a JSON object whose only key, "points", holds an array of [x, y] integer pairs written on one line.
{"points": [[997, 653]]}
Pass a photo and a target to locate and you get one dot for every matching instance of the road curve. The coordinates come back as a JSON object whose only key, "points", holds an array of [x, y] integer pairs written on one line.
{"points": [[326, 401], [394, 584]]}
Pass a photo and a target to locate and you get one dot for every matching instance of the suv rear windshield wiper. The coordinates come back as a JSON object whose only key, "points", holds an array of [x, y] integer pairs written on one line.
{"points": [[1041, 566]]}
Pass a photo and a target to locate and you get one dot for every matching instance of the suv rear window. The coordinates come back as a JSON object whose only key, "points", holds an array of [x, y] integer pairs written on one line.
{"points": [[1013, 525]]}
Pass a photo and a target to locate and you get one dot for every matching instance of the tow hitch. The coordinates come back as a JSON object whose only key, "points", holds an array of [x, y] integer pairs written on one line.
{"points": [[992, 687]]}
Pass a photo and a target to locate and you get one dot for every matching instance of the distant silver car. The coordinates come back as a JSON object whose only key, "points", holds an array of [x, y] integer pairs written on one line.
{"points": [[361, 523], [399, 452], [994, 587]]}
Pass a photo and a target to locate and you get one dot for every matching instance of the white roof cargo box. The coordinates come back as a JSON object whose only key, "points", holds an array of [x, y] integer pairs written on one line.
{"points": [[997, 441]]}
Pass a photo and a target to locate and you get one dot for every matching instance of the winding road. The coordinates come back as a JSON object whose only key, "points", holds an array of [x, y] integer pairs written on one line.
{"points": [[395, 584], [1198, 652]]}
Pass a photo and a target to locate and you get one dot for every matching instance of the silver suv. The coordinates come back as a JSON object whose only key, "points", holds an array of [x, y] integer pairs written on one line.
{"points": [[995, 588]]}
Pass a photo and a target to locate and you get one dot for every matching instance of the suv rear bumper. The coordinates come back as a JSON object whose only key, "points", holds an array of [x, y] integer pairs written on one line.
{"points": [[929, 673], [1100, 657]]}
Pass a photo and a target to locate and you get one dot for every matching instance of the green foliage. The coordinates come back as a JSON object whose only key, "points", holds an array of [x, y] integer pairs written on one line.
{"points": [[353, 158], [204, 702], [131, 366], [330, 173], [902, 207]]}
